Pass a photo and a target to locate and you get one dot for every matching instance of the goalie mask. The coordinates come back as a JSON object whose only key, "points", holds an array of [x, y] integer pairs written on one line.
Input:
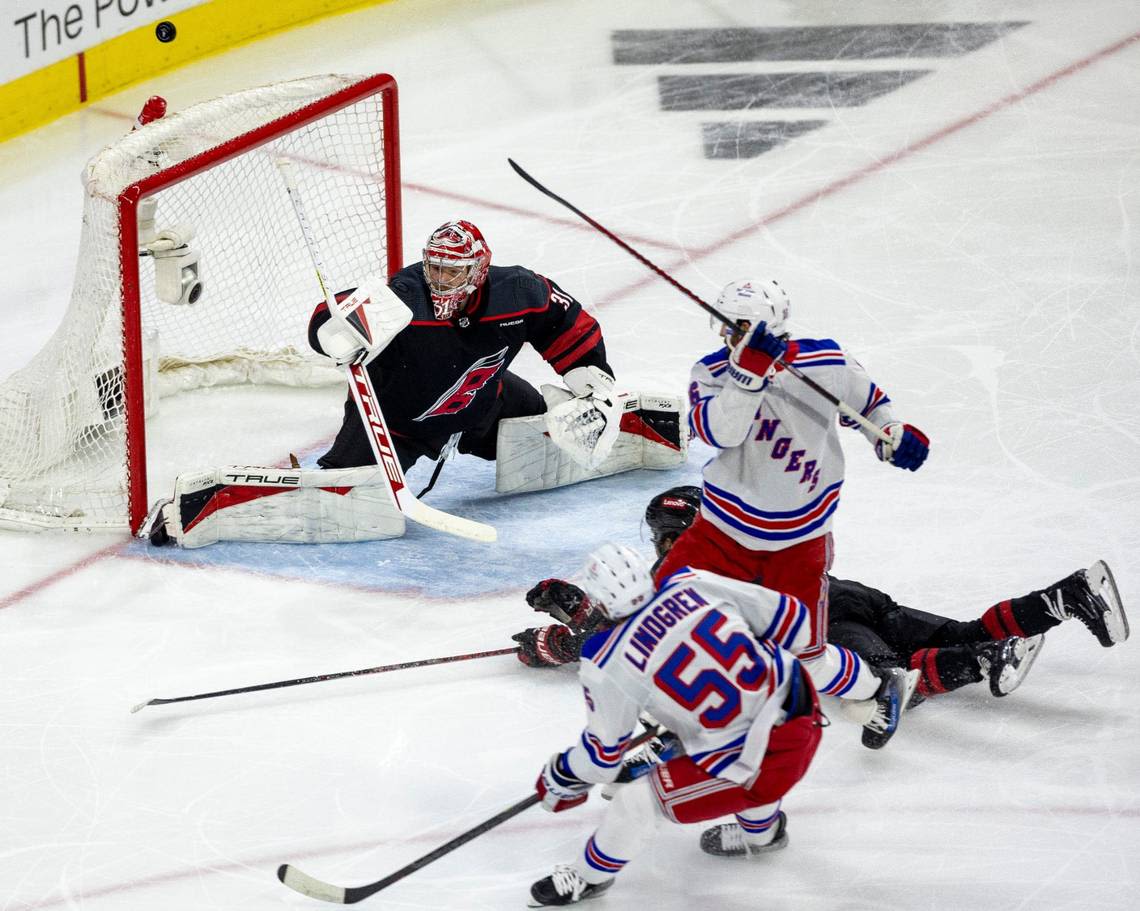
{"points": [[617, 580], [670, 513], [750, 301], [456, 260]]}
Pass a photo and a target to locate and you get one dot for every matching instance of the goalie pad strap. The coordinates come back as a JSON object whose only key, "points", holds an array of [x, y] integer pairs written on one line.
{"points": [[650, 437], [242, 503]]}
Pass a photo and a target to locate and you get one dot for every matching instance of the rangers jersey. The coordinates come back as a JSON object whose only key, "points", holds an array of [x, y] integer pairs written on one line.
{"points": [[777, 477], [708, 657]]}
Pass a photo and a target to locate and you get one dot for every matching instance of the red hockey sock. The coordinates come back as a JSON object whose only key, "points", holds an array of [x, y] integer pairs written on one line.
{"points": [[944, 669], [1000, 621]]}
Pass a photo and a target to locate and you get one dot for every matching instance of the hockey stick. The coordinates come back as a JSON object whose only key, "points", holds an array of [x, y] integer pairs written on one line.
{"points": [[444, 454], [843, 407], [320, 678], [350, 895], [360, 384]]}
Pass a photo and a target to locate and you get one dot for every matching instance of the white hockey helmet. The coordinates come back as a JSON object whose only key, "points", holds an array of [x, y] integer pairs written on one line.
{"points": [[753, 300], [617, 580]]}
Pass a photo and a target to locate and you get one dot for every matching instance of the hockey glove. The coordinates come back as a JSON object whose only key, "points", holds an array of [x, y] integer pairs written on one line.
{"points": [[550, 646], [908, 447], [558, 787], [754, 356], [564, 601]]}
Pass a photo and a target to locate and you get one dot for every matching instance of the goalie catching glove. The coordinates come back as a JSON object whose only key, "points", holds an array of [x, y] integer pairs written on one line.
{"points": [[585, 418]]}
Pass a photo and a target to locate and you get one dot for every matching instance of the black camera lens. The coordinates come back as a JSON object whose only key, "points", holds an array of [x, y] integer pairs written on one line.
{"points": [[165, 31]]}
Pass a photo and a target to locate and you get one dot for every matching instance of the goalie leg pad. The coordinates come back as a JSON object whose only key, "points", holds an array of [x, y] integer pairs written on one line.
{"points": [[652, 436], [276, 505]]}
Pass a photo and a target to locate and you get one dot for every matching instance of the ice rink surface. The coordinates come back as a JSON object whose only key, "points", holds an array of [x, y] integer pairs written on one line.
{"points": [[960, 214]]}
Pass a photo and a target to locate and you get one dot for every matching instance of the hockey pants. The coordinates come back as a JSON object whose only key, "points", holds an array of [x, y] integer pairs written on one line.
{"points": [[800, 571], [517, 398], [682, 792]]}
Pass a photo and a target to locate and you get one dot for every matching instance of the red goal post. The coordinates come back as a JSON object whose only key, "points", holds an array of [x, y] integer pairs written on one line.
{"points": [[73, 440]]}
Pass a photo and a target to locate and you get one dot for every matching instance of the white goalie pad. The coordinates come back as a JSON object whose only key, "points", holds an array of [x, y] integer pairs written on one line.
{"points": [[275, 505], [652, 434]]}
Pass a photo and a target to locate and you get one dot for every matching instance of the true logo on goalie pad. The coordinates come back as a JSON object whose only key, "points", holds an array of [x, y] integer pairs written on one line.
{"points": [[274, 480], [462, 392]]}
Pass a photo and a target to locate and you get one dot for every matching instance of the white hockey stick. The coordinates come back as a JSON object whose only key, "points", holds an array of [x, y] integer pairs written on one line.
{"points": [[360, 384]]}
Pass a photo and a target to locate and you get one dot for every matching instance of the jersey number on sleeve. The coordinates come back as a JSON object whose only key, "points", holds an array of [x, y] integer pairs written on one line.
{"points": [[708, 681]]}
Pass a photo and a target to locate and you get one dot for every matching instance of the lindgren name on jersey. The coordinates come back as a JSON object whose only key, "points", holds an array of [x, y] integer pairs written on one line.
{"points": [[652, 627]]}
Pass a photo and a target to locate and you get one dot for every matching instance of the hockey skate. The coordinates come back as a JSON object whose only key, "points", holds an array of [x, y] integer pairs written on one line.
{"points": [[565, 886], [1092, 597], [891, 700], [1007, 661], [729, 840]]}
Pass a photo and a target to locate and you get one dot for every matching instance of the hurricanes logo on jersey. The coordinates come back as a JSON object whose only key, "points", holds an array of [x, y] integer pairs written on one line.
{"points": [[463, 391]]}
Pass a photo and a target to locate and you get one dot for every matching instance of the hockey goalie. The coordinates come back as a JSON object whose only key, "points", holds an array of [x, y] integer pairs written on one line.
{"points": [[433, 347]]}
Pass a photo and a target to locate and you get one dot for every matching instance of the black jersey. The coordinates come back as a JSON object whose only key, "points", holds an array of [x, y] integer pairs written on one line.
{"points": [[440, 377]]}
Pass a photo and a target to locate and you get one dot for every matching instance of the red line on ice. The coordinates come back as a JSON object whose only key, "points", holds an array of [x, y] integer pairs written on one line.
{"points": [[37, 586]]}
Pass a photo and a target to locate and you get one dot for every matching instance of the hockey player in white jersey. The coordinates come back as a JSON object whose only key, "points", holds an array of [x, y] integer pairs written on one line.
{"points": [[711, 659], [770, 492]]}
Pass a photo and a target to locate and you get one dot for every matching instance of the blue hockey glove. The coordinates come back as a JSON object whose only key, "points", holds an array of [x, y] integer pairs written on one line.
{"points": [[908, 447], [753, 357]]}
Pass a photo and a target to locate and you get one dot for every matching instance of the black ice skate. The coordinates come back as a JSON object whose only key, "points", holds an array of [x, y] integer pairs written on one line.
{"points": [[729, 840], [1092, 597], [891, 701], [564, 886], [1006, 662]]}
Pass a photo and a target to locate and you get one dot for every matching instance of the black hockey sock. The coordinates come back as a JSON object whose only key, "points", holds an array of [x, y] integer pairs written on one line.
{"points": [[945, 669]]}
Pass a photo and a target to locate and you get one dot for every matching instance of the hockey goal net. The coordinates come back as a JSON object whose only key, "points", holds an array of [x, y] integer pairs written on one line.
{"points": [[193, 272]]}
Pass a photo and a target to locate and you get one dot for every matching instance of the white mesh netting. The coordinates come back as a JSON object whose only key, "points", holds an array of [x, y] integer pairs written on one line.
{"points": [[63, 440]]}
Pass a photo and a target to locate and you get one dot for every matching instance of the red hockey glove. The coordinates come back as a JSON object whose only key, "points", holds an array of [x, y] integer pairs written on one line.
{"points": [[564, 601], [753, 357], [558, 787], [550, 646], [908, 447]]}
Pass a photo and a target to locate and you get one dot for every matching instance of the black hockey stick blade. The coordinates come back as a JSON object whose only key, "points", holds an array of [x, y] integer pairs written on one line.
{"points": [[308, 885]]}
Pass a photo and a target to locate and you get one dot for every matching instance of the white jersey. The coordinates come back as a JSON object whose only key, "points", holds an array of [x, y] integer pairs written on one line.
{"points": [[708, 657], [776, 480]]}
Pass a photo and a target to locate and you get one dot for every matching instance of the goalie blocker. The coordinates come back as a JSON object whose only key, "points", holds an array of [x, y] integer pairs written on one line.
{"points": [[275, 505]]}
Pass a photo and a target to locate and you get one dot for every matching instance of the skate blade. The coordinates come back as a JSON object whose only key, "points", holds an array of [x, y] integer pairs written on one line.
{"points": [[1103, 584], [909, 686], [1027, 652]]}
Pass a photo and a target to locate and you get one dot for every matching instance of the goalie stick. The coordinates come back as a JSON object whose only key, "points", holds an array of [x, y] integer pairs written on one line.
{"points": [[843, 407], [367, 404], [320, 678], [302, 882]]}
